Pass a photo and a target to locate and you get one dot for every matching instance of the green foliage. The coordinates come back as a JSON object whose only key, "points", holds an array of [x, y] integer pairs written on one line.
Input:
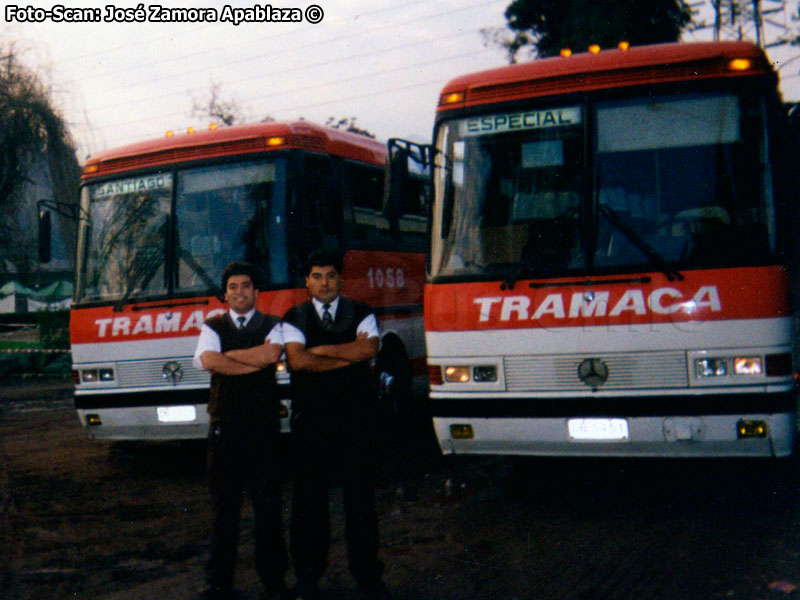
{"points": [[35, 363], [550, 25], [53, 327]]}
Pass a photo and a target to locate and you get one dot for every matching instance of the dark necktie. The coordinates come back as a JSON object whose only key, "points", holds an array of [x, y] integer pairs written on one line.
{"points": [[327, 319], [241, 321]]}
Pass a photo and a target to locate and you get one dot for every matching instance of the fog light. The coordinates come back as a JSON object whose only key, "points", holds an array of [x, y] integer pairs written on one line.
{"points": [[89, 375], [280, 366], [484, 373], [93, 420], [461, 432], [749, 429], [748, 365], [456, 374], [711, 367]]}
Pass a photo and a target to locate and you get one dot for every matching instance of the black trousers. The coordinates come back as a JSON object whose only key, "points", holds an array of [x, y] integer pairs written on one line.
{"points": [[245, 457], [328, 444]]}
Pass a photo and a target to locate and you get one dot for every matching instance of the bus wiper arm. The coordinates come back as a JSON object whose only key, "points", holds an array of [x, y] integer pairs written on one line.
{"points": [[639, 242], [200, 271], [120, 304], [510, 280]]}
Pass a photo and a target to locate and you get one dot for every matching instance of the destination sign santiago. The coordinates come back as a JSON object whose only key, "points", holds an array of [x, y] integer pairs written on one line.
{"points": [[533, 119]]}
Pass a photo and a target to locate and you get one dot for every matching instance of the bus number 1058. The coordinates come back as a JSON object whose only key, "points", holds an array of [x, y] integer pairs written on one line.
{"points": [[389, 277]]}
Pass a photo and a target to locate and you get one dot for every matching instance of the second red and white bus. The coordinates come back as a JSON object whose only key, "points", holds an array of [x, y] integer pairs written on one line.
{"points": [[612, 257]]}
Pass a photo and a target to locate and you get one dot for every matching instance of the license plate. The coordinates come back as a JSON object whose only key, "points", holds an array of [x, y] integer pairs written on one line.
{"points": [[598, 429], [176, 414]]}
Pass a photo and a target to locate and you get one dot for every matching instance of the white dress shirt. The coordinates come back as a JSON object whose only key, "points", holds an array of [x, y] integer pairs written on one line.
{"points": [[368, 324], [209, 339]]}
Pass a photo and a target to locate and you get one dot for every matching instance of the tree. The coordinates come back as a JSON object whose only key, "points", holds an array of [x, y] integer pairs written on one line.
{"points": [[36, 150], [221, 112], [547, 26], [348, 124], [230, 112]]}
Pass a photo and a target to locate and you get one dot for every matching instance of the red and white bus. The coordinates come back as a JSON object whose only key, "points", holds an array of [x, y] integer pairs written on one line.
{"points": [[610, 266], [162, 218]]}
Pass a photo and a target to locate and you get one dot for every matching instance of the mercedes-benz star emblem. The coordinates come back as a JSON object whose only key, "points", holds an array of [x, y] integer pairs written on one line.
{"points": [[173, 372], [593, 372]]}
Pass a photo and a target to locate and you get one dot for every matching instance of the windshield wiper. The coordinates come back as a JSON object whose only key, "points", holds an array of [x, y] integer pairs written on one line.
{"points": [[120, 305], [511, 278], [526, 260], [197, 268], [637, 240]]}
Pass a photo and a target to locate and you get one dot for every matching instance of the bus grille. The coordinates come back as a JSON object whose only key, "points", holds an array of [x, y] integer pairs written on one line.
{"points": [[139, 373], [631, 370]]}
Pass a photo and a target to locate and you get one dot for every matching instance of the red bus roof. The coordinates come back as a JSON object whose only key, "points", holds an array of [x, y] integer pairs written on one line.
{"points": [[231, 141], [607, 69]]}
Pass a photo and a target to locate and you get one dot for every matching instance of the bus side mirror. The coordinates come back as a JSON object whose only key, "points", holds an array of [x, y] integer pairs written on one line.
{"points": [[397, 184], [45, 235], [399, 174]]}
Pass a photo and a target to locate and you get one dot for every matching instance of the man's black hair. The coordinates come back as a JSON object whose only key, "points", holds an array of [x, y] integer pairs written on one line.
{"points": [[239, 268], [322, 258]]}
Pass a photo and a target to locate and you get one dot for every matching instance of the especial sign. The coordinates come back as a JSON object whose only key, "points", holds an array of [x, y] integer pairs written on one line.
{"points": [[520, 121]]}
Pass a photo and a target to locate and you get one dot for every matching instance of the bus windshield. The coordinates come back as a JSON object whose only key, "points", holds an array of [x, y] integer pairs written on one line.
{"points": [[172, 233], [678, 180]]}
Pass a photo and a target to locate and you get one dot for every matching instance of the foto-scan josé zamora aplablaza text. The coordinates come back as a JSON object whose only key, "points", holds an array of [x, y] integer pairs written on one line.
{"points": [[157, 13]]}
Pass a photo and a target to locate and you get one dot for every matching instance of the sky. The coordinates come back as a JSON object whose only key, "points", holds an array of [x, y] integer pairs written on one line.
{"points": [[380, 61]]}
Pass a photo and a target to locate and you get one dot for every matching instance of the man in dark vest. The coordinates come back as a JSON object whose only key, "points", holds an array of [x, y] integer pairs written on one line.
{"points": [[329, 342], [240, 349]]}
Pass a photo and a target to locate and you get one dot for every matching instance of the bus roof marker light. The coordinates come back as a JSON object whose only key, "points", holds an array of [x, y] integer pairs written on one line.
{"points": [[594, 48], [88, 169], [190, 130], [565, 53], [169, 133], [212, 126], [624, 45], [452, 98], [740, 64], [275, 141]]}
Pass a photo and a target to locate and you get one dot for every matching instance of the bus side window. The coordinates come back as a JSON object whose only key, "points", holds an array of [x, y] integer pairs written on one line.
{"points": [[324, 203], [364, 195]]}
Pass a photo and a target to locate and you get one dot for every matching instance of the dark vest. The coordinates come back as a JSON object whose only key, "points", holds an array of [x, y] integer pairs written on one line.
{"points": [[243, 398], [340, 389]]}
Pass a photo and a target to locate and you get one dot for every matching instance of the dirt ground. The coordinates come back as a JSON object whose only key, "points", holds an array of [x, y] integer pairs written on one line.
{"points": [[96, 520], [83, 518]]}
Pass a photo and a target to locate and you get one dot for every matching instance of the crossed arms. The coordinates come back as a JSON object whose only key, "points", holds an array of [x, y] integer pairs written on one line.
{"points": [[241, 362], [331, 356]]}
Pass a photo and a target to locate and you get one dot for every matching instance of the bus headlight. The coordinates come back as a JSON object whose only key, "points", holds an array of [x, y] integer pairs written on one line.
{"points": [[456, 374], [90, 376], [484, 373], [711, 367], [748, 365], [484, 376]]}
